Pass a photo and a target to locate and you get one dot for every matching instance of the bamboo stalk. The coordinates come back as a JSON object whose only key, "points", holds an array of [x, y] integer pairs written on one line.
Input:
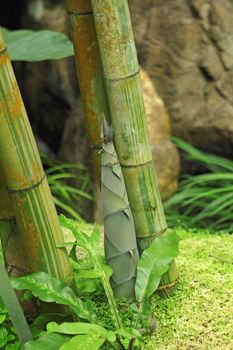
{"points": [[122, 81], [120, 241], [34, 209], [9, 235], [87, 59]]}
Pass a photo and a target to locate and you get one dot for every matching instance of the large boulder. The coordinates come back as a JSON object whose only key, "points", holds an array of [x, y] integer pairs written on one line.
{"points": [[186, 46], [165, 155]]}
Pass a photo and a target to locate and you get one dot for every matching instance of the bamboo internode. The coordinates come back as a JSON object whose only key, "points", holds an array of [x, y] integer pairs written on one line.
{"points": [[87, 58], [9, 234], [34, 210]]}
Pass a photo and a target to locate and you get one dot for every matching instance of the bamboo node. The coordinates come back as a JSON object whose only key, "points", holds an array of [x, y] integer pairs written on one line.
{"points": [[136, 165], [127, 77], [27, 189], [168, 286], [156, 234]]}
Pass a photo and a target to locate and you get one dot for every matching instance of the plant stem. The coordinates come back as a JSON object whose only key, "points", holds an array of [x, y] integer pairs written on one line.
{"points": [[124, 92], [34, 209], [87, 59], [9, 234], [109, 293]]}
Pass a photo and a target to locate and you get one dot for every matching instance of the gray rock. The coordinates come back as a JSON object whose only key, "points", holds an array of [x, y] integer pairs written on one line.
{"points": [[186, 46]]}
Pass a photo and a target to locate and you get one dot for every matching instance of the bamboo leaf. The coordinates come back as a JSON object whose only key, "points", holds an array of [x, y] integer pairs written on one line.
{"points": [[83, 342], [78, 328], [47, 342], [154, 262], [29, 45], [49, 289]]}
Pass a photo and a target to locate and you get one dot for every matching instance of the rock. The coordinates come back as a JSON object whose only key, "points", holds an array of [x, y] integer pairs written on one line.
{"points": [[186, 46], [165, 155]]}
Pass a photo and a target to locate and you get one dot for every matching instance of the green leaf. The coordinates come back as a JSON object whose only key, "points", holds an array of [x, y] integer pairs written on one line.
{"points": [[154, 262], [47, 342], [91, 246], [84, 342], [129, 333], [3, 337], [29, 45], [39, 324], [49, 289], [16, 346], [2, 318], [76, 328]]}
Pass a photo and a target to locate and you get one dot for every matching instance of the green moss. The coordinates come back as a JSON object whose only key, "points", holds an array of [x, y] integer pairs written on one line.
{"points": [[200, 315]]}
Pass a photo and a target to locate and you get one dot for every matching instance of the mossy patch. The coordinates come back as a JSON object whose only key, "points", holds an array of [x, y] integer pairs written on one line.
{"points": [[200, 314]]}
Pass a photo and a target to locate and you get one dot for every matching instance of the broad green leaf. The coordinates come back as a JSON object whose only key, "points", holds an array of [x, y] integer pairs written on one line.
{"points": [[49, 289], [3, 337], [29, 45], [84, 342], [87, 286], [154, 262], [14, 346], [76, 328], [2, 318], [88, 274], [47, 342]]}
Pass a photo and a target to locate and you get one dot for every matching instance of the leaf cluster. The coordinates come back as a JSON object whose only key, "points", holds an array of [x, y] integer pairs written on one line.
{"points": [[88, 330], [66, 196], [204, 200]]}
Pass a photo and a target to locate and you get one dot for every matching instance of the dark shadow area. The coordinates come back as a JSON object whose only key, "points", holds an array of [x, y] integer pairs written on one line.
{"points": [[10, 12]]}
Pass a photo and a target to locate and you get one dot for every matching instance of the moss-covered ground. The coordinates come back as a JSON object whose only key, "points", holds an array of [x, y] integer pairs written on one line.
{"points": [[200, 314]]}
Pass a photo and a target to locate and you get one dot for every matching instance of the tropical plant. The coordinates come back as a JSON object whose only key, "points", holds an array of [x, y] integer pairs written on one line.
{"points": [[92, 334], [204, 200]]}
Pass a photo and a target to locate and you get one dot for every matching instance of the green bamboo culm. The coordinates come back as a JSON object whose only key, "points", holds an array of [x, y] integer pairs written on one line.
{"points": [[27, 185], [122, 81], [120, 244], [88, 63], [89, 70], [11, 302], [9, 235]]}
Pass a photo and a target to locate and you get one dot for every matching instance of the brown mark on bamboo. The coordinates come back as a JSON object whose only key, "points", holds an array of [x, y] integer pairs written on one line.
{"points": [[14, 101], [3, 57], [89, 72]]}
